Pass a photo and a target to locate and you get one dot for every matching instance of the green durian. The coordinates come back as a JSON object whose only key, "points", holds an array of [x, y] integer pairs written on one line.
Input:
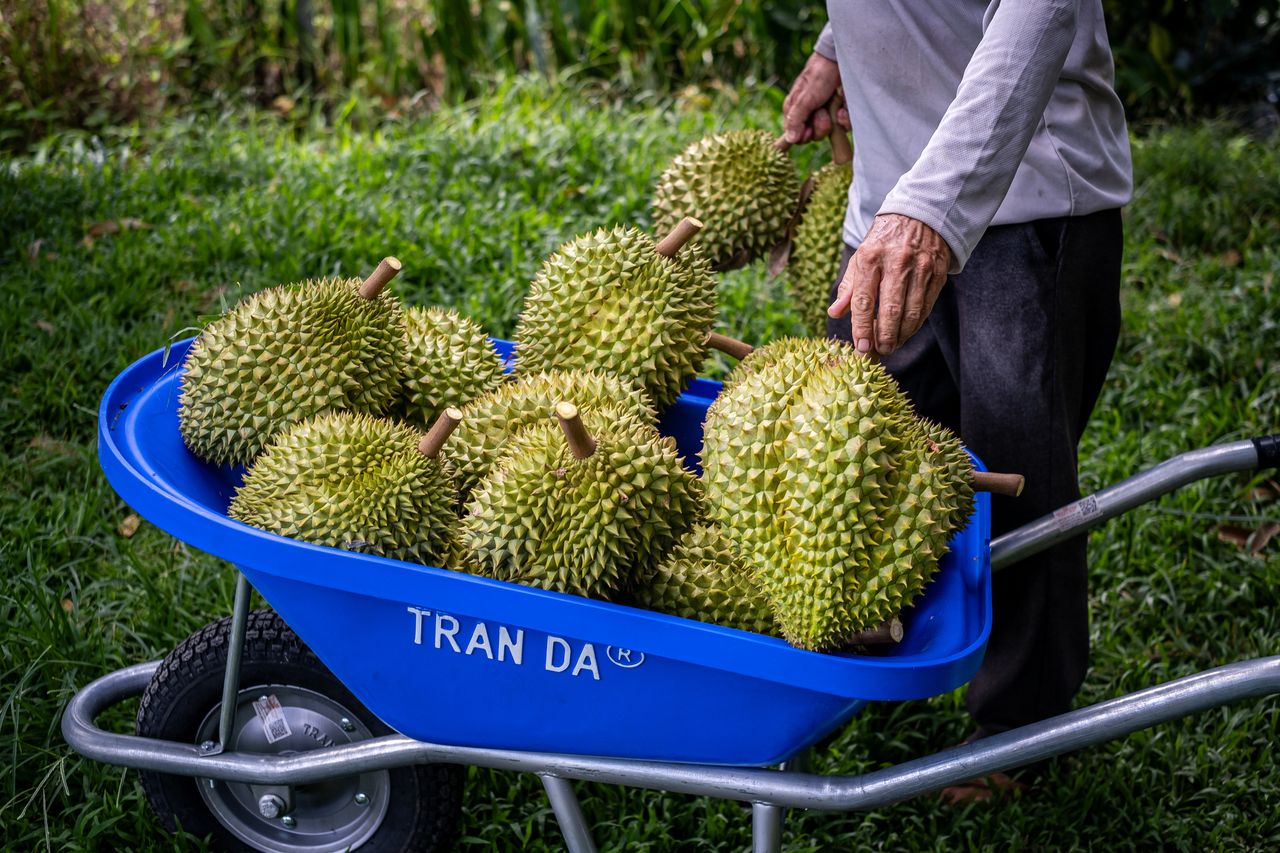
{"points": [[448, 361], [551, 517], [839, 481], [819, 244], [352, 481], [799, 469], [703, 578], [741, 187], [491, 420], [285, 354], [611, 301]]}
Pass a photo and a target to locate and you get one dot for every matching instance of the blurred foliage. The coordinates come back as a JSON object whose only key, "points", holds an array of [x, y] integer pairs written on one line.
{"points": [[1181, 58], [87, 63]]}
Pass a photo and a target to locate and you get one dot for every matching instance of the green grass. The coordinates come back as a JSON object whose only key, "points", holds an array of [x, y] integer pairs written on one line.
{"points": [[471, 200]]}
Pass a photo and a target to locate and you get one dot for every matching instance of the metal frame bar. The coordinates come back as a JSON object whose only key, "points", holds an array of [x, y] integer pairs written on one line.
{"points": [[1092, 510], [1028, 744]]}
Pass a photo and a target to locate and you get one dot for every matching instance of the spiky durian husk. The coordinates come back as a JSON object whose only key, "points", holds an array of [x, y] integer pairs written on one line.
{"points": [[448, 362], [589, 527], [818, 245], [810, 351], [933, 498], [801, 464], [742, 440], [741, 187], [840, 478], [489, 421], [351, 481], [608, 301], [703, 578], [283, 355]]}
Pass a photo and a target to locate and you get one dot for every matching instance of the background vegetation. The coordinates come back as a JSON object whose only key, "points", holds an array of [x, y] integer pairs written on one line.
{"points": [[111, 247], [94, 63]]}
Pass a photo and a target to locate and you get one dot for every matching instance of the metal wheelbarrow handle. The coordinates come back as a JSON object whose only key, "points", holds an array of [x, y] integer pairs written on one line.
{"points": [[1092, 510]]}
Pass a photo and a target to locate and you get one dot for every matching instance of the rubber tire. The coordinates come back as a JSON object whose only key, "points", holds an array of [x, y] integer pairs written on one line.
{"points": [[426, 800]]}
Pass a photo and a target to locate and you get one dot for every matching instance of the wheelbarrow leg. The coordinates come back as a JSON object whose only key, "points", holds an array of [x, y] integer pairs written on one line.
{"points": [[564, 802], [766, 828], [766, 818], [235, 647]]}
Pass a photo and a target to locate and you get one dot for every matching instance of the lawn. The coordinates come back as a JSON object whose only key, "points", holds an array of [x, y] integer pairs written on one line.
{"points": [[111, 247]]}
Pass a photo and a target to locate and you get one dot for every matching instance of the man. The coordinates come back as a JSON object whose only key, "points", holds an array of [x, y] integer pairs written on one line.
{"points": [[991, 160]]}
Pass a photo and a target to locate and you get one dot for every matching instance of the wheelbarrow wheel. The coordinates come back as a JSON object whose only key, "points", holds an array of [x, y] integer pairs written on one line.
{"points": [[288, 702]]}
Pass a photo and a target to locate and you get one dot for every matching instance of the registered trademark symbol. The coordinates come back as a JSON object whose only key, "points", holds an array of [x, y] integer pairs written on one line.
{"points": [[625, 658]]}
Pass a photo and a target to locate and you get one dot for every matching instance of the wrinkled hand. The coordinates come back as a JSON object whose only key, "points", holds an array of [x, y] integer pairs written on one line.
{"points": [[901, 267], [804, 117]]}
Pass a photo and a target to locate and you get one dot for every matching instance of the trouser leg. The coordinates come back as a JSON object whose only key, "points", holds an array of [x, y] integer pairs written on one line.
{"points": [[1014, 354]]}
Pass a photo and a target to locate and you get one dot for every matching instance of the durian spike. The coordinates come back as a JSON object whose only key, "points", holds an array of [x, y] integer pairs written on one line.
{"points": [[440, 431], [730, 346], [1000, 484], [378, 279], [883, 635], [841, 150], [669, 245], [581, 444]]}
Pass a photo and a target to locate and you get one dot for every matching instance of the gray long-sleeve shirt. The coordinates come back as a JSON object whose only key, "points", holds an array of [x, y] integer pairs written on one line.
{"points": [[969, 113]]}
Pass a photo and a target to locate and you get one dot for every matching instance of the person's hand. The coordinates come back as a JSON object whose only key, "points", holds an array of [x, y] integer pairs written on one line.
{"points": [[804, 117], [901, 267]]}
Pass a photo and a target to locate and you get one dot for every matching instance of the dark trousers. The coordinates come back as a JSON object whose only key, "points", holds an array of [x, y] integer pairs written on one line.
{"points": [[1012, 358]]}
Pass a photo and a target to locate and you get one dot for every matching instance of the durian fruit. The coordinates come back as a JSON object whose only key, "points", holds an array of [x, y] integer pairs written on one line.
{"points": [[840, 479], [448, 361], [356, 482], [492, 419], [285, 354], [703, 578], [770, 471], [580, 508], [819, 242], [740, 185], [839, 499], [618, 302]]}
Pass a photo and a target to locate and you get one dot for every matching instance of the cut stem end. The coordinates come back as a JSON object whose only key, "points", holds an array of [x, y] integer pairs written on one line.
{"points": [[883, 635], [581, 444], [999, 484], [729, 346], [387, 269], [669, 245], [439, 433]]}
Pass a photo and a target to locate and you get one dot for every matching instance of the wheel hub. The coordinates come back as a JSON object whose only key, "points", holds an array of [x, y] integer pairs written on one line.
{"points": [[321, 817]]}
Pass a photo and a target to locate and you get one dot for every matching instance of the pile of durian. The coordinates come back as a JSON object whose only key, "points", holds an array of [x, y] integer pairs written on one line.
{"points": [[366, 425]]}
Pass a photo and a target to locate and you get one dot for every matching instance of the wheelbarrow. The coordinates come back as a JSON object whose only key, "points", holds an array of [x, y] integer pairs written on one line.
{"points": [[340, 718]]}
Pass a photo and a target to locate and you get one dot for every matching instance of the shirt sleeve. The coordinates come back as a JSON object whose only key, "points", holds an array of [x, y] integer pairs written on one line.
{"points": [[964, 172], [826, 44]]}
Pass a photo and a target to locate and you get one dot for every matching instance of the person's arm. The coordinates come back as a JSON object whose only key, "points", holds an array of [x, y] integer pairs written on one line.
{"points": [[934, 216]]}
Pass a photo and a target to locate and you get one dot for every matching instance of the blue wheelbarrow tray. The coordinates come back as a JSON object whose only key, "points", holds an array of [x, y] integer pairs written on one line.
{"points": [[451, 658]]}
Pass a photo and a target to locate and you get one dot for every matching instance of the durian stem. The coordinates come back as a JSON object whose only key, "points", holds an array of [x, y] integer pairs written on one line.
{"points": [[581, 444], [669, 245], [841, 150], [377, 280], [782, 144], [889, 632], [1000, 484], [439, 433], [730, 346]]}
